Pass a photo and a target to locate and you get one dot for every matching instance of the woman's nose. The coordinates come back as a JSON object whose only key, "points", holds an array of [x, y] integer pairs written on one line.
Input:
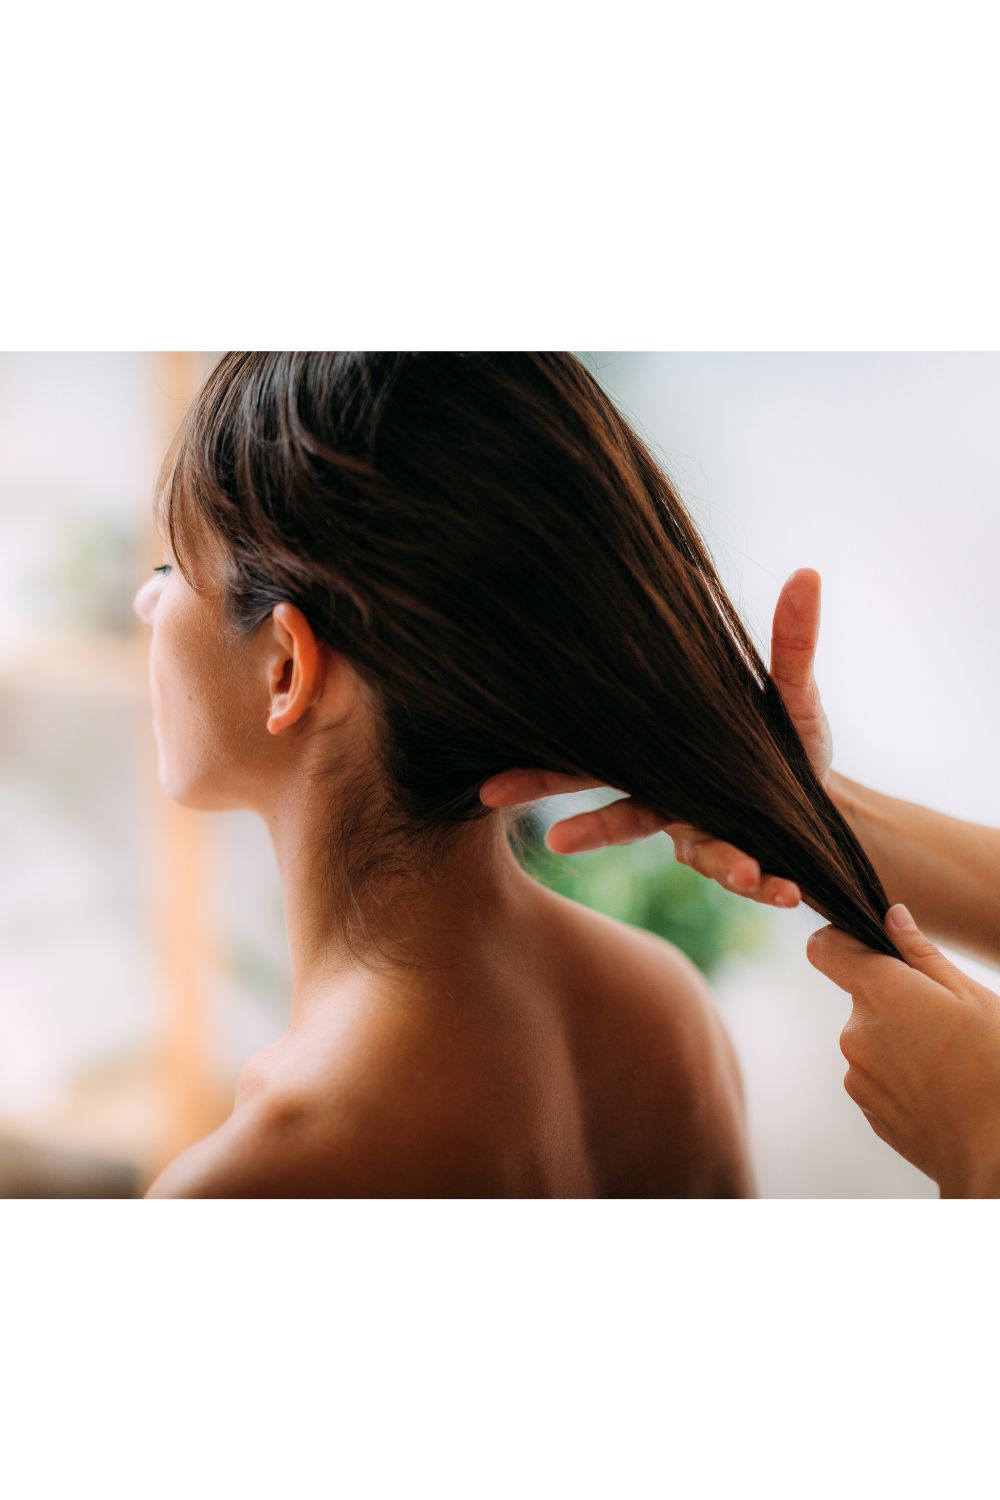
{"points": [[145, 599]]}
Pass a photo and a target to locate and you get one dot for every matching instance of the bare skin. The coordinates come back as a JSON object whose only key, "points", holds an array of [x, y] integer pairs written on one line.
{"points": [[507, 1041], [567, 1057], [923, 1039], [923, 1050]]}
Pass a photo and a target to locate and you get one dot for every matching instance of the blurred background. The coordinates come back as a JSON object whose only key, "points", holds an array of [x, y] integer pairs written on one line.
{"points": [[142, 950]]}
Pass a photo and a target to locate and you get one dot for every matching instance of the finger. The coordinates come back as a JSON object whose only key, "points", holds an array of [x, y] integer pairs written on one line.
{"points": [[921, 954], [856, 1085], [872, 1105], [717, 860], [794, 635], [851, 965], [739, 872], [621, 822], [775, 890], [714, 858], [856, 1089], [508, 788], [883, 1131]]}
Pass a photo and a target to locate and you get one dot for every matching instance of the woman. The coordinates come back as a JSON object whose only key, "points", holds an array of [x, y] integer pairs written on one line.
{"points": [[387, 575], [923, 1039]]}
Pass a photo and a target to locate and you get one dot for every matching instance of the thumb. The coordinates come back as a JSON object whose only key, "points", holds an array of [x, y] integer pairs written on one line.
{"points": [[794, 635], [920, 953]]}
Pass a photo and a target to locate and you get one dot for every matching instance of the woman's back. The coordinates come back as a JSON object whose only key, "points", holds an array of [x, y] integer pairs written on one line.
{"points": [[570, 1056]]}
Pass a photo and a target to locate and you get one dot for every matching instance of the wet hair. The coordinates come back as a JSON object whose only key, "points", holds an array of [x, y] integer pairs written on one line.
{"points": [[492, 547]]}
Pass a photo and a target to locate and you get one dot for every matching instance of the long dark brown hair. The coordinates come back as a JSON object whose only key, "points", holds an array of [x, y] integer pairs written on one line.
{"points": [[489, 543]]}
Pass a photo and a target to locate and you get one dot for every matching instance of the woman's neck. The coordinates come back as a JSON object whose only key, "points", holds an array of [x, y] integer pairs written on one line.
{"points": [[384, 912]]}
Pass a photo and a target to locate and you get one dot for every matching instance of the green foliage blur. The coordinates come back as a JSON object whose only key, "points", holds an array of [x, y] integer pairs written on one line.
{"points": [[643, 884]]}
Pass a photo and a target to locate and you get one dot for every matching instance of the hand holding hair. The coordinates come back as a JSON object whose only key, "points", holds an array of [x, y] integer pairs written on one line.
{"points": [[923, 1045], [794, 636]]}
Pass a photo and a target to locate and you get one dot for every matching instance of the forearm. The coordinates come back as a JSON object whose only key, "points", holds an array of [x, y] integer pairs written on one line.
{"points": [[947, 871]]}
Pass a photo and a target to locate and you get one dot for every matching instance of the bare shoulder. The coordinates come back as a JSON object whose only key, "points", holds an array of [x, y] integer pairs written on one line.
{"points": [[279, 1146], [644, 969], [652, 1040], [238, 1160], [375, 1120]]}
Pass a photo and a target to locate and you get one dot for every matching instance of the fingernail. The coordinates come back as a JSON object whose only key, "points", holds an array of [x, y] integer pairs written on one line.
{"points": [[900, 918]]}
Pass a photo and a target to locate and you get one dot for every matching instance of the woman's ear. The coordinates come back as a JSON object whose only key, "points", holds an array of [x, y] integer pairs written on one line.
{"points": [[296, 667], [304, 671]]}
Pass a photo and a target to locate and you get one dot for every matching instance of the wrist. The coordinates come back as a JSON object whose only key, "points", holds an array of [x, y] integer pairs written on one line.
{"points": [[981, 1178]]}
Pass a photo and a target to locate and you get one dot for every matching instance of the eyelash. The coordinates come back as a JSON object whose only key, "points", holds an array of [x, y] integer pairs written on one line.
{"points": [[162, 568]]}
